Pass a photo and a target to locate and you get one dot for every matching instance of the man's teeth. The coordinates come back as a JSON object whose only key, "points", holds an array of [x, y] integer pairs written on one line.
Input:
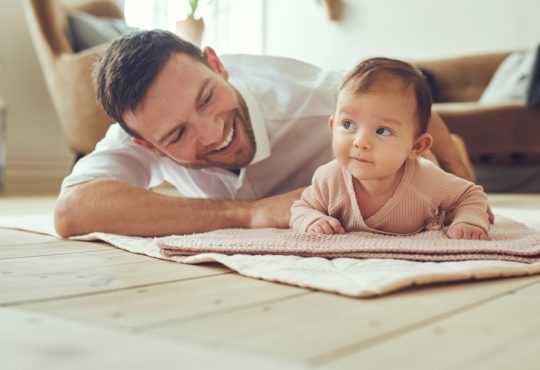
{"points": [[227, 140]]}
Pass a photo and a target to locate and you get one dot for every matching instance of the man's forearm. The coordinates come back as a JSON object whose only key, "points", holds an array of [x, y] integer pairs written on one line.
{"points": [[112, 206], [445, 149]]}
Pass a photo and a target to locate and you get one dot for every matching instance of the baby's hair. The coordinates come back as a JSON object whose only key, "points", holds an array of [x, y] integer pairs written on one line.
{"points": [[384, 73]]}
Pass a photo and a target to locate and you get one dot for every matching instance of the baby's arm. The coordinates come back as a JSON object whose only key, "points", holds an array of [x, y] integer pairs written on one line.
{"points": [[469, 206], [310, 212]]}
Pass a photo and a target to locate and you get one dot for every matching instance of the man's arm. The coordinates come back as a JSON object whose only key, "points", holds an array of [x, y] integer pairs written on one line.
{"points": [[446, 151], [451, 153], [112, 206]]}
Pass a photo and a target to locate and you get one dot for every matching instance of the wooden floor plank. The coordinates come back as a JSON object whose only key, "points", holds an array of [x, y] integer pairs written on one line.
{"points": [[50, 277], [62, 263], [501, 334], [36, 341], [174, 302], [47, 248], [318, 324]]}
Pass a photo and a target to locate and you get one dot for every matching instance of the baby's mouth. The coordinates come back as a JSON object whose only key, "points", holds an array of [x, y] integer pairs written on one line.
{"points": [[362, 160]]}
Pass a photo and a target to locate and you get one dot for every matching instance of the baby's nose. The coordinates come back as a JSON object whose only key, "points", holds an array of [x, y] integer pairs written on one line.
{"points": [[362, 141]]}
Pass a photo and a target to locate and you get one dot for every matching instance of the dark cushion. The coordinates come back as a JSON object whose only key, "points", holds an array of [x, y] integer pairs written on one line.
{"points": [[88, 30], [533, 91]]}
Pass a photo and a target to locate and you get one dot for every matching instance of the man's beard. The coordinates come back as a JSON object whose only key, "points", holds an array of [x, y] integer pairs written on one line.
{"points": [[243, 127]]}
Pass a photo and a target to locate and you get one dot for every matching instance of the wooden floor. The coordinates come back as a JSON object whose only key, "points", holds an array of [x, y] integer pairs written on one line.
{"points": [[81, 305]]}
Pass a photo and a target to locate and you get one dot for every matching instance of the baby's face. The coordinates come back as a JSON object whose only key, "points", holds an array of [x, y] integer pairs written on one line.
{"points": [[374, 132]]}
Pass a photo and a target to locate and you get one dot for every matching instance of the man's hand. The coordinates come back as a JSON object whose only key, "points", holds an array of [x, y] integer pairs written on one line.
{"points": [[466, 231], [273, 211], [326, 225]]}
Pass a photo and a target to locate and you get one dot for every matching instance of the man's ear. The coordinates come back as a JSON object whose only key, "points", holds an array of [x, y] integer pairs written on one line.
{"points": [[148, 145], [421, 145], [213, 61], [331, 123]]}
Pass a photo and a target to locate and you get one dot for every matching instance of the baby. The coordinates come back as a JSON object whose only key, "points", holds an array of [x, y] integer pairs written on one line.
{"points": [[379, 182]]}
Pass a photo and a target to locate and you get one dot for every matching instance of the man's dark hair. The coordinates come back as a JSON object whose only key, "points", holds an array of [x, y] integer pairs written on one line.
{"points": [[377, 72], [130, 65]]}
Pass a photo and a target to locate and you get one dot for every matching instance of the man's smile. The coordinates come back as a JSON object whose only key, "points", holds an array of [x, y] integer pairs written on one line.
{"points": [[227, 140]]}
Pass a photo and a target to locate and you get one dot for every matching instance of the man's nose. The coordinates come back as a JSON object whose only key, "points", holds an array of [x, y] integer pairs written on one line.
{"points": [[362, 140], [210, 130]]}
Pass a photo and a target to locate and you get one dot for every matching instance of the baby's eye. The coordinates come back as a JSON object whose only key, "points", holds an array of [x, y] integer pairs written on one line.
{"points": [[348, 125], [383, 131]]}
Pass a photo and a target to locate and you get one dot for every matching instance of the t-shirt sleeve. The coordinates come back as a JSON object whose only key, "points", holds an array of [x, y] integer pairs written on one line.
{"points": [[117, 157]]}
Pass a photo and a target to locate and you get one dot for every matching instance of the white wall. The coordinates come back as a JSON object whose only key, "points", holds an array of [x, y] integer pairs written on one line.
{"points": [[412, 29], [35, 148]]}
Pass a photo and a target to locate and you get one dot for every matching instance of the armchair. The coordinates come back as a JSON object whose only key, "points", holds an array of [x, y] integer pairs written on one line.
{"points": [[68, 73]]}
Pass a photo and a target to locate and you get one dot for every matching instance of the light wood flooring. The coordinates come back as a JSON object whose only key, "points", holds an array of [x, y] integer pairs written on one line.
{"points": [[87, 305]]}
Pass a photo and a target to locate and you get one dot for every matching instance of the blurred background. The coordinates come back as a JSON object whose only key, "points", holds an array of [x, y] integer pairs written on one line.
{"points": [[330, 34]]}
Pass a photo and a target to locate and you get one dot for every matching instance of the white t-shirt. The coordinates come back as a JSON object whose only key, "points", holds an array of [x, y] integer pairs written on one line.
{"points": [[289, 104]]}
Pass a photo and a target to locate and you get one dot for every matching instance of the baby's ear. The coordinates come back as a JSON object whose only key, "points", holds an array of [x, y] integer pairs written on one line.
{"points": [[331, 123], [421, 145]]}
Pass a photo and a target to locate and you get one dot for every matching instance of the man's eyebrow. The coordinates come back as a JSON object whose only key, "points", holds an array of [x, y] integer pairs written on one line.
{"points": [[197, 98]]}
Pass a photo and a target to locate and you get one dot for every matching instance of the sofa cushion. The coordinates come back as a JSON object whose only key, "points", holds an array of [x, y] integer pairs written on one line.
{"points": [[88, 30], [511, 80], [533, 91]]}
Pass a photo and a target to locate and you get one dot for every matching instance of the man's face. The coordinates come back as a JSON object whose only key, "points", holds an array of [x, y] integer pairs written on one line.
{"points": [[192, 115]]}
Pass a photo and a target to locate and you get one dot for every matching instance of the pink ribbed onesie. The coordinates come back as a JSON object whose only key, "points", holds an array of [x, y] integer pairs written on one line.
{"points": [[425, 193]]}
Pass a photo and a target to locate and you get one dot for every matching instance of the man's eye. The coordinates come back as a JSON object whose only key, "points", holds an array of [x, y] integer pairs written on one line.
{"points": [[208, 99], [383, 131], [179, 135]]}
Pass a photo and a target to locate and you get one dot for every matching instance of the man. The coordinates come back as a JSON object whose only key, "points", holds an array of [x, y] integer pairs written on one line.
{"points": [[239, 137]]}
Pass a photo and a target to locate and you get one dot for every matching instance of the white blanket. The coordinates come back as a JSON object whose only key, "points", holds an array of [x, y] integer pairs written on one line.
{"points": [[347, 276]]}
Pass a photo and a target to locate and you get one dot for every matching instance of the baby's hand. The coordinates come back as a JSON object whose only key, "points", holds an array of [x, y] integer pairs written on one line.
{"points": [[326, 225], [463, 230]]}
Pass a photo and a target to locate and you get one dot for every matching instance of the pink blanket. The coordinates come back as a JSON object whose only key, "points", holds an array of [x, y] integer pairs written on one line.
{"points": [[348, 276], [510, 241]]}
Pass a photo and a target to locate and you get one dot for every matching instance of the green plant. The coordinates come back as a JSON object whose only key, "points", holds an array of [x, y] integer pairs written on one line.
{"points": [[193, 4]]}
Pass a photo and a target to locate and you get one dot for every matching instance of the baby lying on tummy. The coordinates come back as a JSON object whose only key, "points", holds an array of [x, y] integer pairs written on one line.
{"points": [[378, 181]]}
